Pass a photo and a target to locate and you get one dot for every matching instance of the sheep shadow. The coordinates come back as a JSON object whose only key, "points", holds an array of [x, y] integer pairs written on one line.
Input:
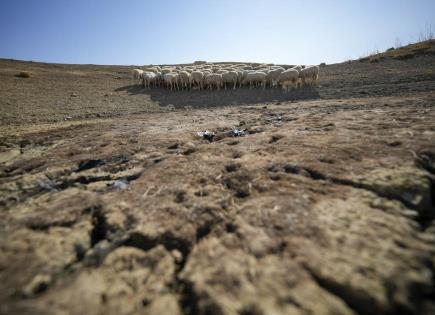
{"points": [[239, 96]]}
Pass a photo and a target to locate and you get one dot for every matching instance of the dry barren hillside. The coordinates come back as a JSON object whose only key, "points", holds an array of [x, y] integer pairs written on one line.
{"points": [[110, 202]]}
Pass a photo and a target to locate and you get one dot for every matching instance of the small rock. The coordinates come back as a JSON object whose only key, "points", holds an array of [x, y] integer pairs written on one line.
{"points": [[376, 203], [255, 129], [80, 250], [177, 255], [74, 95], [207, 135], [275, 138], [292, 169], [68, 118], [426, 159], [326, 160], [189, 151], [237, 155], [232, 167], [173, 146], [233, 142], [47, 185], [236, 132], [395, 143], [88, 164], [38, 284], [120, 184], [96, 255], [180, 196]]}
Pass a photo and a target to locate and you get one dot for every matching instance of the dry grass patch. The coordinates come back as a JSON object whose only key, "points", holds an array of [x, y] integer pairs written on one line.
{"points": [[406, 52], [24, 74]]}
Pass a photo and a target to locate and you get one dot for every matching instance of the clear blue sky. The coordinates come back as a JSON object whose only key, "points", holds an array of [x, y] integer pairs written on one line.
{"points": [[164, 31]]}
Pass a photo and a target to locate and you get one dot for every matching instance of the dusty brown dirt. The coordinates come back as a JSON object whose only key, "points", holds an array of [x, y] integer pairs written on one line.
{"points": [[111, 204]]}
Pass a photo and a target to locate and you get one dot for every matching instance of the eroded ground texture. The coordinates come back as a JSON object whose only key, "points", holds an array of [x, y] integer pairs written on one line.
{"points": [[110, 203]]}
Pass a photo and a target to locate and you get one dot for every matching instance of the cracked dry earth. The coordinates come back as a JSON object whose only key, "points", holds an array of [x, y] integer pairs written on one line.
{"points": [[323, 207]]}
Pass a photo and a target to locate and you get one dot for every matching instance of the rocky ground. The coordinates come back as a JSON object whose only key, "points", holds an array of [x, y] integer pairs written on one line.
{"points": [[110, 203]]}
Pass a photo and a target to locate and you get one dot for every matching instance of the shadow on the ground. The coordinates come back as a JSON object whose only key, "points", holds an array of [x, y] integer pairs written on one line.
{"points": [[245, 95]]}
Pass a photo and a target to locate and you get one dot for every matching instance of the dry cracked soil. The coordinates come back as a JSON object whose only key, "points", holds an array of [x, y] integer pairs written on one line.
{"points": [[110, 203]]}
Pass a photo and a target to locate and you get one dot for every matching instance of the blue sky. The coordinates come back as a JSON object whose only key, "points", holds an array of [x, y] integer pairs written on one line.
{"points": [[165, 31]]}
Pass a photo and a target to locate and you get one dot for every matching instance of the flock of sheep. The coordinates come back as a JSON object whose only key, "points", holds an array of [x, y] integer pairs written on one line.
{"points": [[202, 75]]}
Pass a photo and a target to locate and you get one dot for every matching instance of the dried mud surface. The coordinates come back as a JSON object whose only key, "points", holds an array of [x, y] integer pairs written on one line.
{"points": [[111, 204]]}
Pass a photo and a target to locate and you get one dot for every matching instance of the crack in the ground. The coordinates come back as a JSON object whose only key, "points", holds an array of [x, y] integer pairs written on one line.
{"points": [[426, 160], [52, 185], [99, 224], [89, 164], [358, 301], [424, 219], [103, 242], [362, 303], [188, 299], [167, 239]]}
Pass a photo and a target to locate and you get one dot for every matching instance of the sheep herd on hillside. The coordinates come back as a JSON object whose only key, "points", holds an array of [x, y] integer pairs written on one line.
{"points": [[207, 76]]}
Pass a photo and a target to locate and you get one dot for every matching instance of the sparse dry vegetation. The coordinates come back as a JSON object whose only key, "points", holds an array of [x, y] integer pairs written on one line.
{"points": [[24, 74], [406, 52], [425, 45]]}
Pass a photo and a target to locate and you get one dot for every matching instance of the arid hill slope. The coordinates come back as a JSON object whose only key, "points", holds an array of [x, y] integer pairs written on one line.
{"points": [[110, 203]]}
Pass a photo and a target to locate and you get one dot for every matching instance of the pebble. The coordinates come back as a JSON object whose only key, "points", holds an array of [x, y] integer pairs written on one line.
{"points": [[38, 284], [121, 184]]}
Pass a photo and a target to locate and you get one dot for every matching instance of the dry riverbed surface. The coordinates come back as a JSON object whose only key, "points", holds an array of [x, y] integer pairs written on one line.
{"points": [[110, 203]]}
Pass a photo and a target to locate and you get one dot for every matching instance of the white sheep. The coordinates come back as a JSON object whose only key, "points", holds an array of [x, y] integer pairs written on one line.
{"points": [[198, 78], [227, 75], [185, 80], [298, 68], [309, 75], [256, 78], [231, 78], [244, 75], [213, 80], [273, 75], [148, 78], [167, 70], [159, 79], [151, 69], [240, 77], [137, 74], [171, 80], [288, 78]]}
